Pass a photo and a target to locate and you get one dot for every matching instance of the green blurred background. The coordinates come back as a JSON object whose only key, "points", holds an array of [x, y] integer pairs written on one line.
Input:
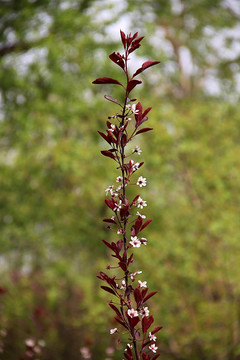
{"points": [[52, 175]]}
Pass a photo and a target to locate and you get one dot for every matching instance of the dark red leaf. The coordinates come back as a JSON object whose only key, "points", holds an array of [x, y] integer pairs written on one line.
{"points": [[123, 37], [145, 356], [156, 329], [131, 85], [116, 310], [108, 290], [135, 44], [149, 296], [146, 323], [117, 59], [109, 221], [121, 322], [105, 137], [155, 356], [145, 224], [138, 296], [128, 357], [143, 130], [134, 321], [108, 153], [122, 265], [110, 98], [135, 200], [130, 259], [146, 112], [107, 80], [145, 66], [109, 203], [107, 244], [138, 225]]}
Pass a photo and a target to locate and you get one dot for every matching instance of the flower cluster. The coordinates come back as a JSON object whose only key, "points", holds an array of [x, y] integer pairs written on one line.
{"points": [[129, 306]]}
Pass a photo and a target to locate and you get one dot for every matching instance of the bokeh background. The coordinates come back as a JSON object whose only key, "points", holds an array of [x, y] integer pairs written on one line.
{"points": [[52, 175]]}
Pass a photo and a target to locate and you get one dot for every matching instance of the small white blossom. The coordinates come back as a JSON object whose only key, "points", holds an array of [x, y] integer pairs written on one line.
{"points": [[113, 218], [128, 346], [142, 283], [132, 313], [137, 150], [141, 203], [132, 108], [112, 128], [119, 179], [135, 166], [118, 206], [109, 189], [153, 347], [30, 342], [135, 241], [142, 216], [141, 181], [123, 287], [113, 331], [144, 311], [119, 231], [134, 274], [143, 241], [85, 353], [152, 337]]}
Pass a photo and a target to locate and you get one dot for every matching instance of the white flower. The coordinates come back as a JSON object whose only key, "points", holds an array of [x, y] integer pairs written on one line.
{"points": [[119, 231], [143, 241], [118, 206], [112, 128], [109, 189], [137, 150], [119, 179], [144, 311], [134, 274], [132, 313], [152, 337], [141, 181], [113, 331], [132, 108], [142, 283], [135, 166], [30, 342], [135, 241], [128, 346], [141, 203], [123, 287], [85, 353], [142, 216], [153, 347]]}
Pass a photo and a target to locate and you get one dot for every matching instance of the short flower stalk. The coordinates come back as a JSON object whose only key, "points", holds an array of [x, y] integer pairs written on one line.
{"points": [[129, 296]]}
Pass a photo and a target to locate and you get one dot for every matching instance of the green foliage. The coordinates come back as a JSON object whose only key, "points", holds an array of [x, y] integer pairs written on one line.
{"points": [[53, 178]]}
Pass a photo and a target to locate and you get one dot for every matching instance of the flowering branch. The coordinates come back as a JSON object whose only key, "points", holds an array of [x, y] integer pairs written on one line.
{"points": [[130, 308]]}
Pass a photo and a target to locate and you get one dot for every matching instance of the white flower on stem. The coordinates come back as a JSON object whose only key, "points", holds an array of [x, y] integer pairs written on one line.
{"points": [[141, 181], [123, 287], [135, 241], [113, 218], [143, 241], [137, 150], [120, 231], [152, 337], [142, 283], [109, 189], [85, 353], [118, 206], [128, 346], [112, 128], [113, 331], [153, 347], [132, 313], [132, 108], [142, 216], [119, 179], [144, 311], [141, 203], [134, 274], [135, 166]]}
